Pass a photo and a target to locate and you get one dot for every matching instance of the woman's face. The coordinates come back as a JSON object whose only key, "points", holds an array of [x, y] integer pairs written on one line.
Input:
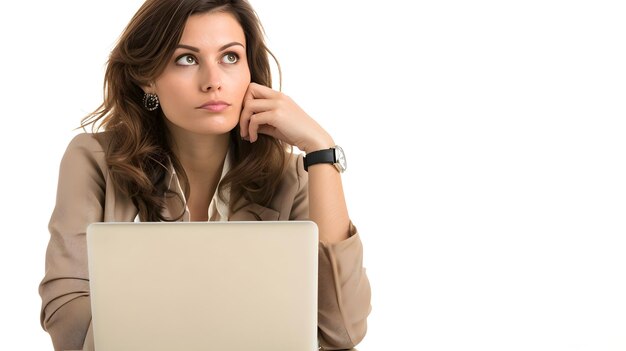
{"points": [[202, 88]]}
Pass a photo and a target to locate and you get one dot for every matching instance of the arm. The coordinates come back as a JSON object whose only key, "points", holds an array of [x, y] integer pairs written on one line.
{"points": [[344, 290], [343, 294], [267, 111], [327, 204], [64, 290], [343, 310]]}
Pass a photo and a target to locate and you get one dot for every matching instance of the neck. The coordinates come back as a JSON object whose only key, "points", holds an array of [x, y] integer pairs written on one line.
{"points": [[202, 156]]}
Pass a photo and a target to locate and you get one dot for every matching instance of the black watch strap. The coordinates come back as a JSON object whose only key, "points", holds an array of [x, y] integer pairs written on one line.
{"points": [[321, 156]]}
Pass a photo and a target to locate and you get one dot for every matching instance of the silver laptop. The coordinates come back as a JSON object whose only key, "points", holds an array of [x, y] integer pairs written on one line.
{"points": [[204, 286]]}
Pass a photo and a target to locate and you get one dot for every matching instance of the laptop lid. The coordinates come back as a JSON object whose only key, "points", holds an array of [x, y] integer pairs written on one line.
{"points": [[204, 285]]}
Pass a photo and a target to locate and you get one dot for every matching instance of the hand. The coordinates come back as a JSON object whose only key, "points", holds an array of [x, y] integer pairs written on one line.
{"points": [[267, 111]]}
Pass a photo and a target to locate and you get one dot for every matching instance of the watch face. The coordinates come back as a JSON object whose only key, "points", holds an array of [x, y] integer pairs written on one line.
{"points": [[340, 157]]}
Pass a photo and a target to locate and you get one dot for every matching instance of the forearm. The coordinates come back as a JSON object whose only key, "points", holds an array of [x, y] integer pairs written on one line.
{"points": [[327, 204], [68, 325], [344, 294]]}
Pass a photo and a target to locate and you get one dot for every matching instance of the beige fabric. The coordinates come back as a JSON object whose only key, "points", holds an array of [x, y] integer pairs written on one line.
{"points": [[85, 195]]}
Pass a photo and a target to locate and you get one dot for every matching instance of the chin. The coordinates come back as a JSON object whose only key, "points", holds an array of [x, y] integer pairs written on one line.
{"points": [[205, 125], [215, 127]]}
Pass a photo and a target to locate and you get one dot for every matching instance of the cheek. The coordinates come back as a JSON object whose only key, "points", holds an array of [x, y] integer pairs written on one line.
{"points": [[171, 89], [240, 85]]}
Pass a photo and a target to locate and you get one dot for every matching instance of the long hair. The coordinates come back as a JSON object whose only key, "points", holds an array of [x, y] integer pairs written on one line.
{"points": [[139, 151]]}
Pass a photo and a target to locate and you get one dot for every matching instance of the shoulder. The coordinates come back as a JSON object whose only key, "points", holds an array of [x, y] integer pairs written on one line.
{"points": [[87, 149], [96, 142]]}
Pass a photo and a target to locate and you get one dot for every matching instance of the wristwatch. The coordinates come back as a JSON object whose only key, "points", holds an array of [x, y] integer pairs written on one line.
{"points": [[333, 156]]}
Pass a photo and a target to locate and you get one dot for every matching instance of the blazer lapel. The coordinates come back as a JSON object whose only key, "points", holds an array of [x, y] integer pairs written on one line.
{"points": [[254, 212]]}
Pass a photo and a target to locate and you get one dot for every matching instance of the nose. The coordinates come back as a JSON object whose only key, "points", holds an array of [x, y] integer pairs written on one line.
{"points": [[210, 78]]}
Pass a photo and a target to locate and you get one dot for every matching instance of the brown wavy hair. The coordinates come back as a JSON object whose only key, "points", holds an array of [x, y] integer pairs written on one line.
{"points": [[139, 150]]}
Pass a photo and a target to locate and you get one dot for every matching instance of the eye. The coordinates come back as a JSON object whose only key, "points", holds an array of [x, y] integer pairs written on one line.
{"points": [[186, 60], [230, 58]]}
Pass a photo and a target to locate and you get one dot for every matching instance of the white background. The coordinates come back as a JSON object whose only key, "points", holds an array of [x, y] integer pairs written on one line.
{"points": [[486, 148]]}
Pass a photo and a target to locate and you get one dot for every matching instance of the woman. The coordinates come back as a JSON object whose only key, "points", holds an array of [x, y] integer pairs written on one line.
{"points": [[193, 132]]}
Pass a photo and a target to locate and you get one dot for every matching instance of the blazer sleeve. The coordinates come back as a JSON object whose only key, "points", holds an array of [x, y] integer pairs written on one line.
{"points": [[64, 290], [344, 293]]}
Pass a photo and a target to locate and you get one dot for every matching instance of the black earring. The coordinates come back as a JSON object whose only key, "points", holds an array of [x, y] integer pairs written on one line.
{"points": [[150, 101]]}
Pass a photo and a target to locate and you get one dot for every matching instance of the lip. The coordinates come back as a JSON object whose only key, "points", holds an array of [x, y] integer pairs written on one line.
{"points": [[214, 106]]}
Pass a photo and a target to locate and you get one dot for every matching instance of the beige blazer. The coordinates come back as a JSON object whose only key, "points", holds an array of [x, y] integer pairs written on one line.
{"points": [[86, 194]]}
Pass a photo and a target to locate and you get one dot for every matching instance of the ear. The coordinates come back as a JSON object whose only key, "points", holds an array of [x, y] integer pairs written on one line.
{"points": [[148, 88]]}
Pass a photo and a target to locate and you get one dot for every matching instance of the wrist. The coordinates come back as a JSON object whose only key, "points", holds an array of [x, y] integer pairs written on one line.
{"points": [[319, 144], [334, 156]]}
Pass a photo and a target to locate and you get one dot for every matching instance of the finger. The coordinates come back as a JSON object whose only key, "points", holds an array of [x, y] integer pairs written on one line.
{"points": [[257, 120], [269, 130], [258, 91], [252, 107], [259, 105], [258, 98], [244, 120], [244, 117]]}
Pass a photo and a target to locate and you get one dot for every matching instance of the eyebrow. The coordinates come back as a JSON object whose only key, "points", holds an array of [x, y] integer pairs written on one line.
{"points": [[224, 47]]}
